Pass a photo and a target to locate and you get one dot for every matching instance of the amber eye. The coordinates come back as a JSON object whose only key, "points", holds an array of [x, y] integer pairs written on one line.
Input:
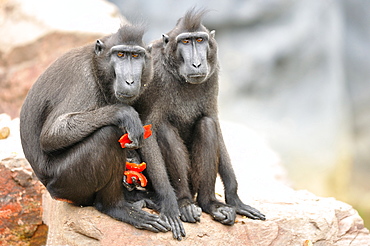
{"points": [[135, 55], [199, 40], [185, 41], [120, 54]]}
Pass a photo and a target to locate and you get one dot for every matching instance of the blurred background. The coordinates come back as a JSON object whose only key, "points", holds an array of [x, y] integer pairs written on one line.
{"points": [[295, 71]]}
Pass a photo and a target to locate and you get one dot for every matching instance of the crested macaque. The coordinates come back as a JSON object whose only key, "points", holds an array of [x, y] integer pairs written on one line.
{"points": [[74, 115], [187, 150]]}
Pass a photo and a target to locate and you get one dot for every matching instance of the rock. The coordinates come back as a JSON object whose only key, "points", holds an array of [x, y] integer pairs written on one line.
{"points": [[4, 132], [290, 221], [292, 216], [33, 34], [20, 204]]}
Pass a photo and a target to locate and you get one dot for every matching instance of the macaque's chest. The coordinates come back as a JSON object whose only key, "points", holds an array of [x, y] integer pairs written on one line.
{"points": [[185, 116], [185, 106]]}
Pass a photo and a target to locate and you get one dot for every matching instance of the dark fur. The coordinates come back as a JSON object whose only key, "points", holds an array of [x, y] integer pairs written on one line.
{"points": [[187, 149], [70, 124]]}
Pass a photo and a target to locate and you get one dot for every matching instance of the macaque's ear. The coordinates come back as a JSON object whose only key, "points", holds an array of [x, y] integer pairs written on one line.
{"points": [[213, 33], [99, 47], [149, 48], [165, 39]]}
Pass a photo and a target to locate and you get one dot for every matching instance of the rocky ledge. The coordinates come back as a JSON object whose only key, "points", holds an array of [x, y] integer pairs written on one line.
{"points": [[297, 220], [293, 217]]}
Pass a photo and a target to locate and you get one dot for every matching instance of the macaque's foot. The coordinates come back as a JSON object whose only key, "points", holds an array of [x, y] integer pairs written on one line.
{"points": [[244, 209], [223, 213], [250, 212], [190, 212], [146, 221], [174, 221]]}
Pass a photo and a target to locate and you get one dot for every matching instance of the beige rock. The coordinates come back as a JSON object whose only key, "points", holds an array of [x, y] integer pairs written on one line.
{"points": [[323, 221], [4, 132], [292, 216]]}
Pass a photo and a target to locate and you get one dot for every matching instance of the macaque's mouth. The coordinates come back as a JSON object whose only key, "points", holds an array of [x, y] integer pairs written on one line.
{"points": [[124, 95], [196, 78], [200, 75]]}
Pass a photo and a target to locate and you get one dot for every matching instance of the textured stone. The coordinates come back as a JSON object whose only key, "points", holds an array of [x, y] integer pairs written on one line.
{"points": [[324, 221], [4, 132], [292, 216], [20, 203]]}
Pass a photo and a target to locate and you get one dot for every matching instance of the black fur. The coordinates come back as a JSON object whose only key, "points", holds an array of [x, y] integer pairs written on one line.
{"points": [[70, 124], [187, 149]]}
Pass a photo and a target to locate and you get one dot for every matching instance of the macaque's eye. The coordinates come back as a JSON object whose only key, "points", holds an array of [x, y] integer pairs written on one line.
{"points": [[185, 41], [120, 54], [199, 40], [135, 55]]}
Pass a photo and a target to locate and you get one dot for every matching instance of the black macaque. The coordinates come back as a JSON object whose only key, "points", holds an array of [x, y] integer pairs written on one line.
{"points": [[74, 115], [187, 149]]}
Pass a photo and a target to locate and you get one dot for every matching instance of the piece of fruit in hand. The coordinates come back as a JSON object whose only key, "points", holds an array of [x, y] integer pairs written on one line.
{"points": [[125, 139]]}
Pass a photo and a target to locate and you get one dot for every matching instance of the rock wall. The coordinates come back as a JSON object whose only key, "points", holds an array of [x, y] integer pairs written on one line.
{"points": [[35, 33]]}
